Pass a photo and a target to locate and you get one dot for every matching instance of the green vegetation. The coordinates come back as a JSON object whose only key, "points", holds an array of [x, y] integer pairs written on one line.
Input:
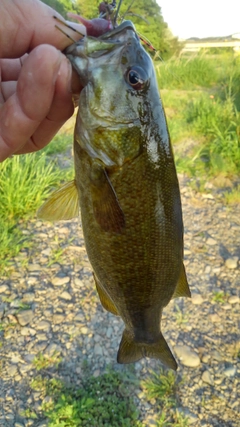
{"points": [[219, 297], [145, 14], [186, 73], [25, 181], [44, 362], [202, 102], [163, 388], [107, 400], [102, 401]]}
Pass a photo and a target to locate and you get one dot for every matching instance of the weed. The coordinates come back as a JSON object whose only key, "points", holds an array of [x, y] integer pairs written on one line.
{"points": [[43, 362], [56, 256], [28, 413], [219, 297], [102, 401], [23, 306], [232, 197], [186, 72], [163, 388], [25, 181], [181, 317]]}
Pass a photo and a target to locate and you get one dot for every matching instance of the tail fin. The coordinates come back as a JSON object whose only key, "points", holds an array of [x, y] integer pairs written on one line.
{"points": [[130, 351]]}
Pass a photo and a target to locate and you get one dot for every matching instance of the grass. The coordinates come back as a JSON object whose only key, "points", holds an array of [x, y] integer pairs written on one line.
{"points": [[163, 388], [202, 103], [25, 182], [219, 297], [103, 401], [186, 73], [44, 362]]}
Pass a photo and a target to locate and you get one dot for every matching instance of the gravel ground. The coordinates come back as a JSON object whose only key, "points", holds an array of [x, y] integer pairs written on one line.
{"points": [[49, 305]]}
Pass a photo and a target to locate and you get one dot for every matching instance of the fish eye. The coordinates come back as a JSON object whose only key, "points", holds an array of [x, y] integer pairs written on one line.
{"points": [[136, 77]]}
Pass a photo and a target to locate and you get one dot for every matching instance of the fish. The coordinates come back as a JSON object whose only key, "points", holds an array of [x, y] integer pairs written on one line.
{"points": [[127, 189]]}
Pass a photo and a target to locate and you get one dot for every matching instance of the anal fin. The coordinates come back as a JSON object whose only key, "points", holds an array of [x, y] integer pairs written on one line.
{"points": [[62, 204], [182, 288], [104, 298]]}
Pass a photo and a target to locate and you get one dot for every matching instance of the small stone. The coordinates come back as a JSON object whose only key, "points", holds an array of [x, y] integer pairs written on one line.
{"points": [[215, 318], [66, 295], [43, 326], [197, 299], [29, 358], [205, 358], [58, 318], [26, 367], [230, 370], [47, 251], [60, 281], [17, 424], [53, 348], [79, 283], [96, 373], [232, 263], [84, 330], [233, 299], [24, 331], [98, 350], [211, 242], [207, 378], [41, 337], [28, 297], [34, 267], [216, 356], [187, 356], [25, 317], [79, 317], [207, 196], [40, 346], [226, 307], [3, 288], [208, 269], [12, 370], [16, 358]]}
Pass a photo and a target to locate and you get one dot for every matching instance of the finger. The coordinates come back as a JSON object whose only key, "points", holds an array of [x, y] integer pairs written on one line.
{"points": [[23, 112], [61, 109], [8, 89], [26, 24], [10, 68]]}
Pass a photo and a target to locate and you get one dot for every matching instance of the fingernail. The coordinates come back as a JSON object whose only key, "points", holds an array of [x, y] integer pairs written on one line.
{"points": [[65, 71]]}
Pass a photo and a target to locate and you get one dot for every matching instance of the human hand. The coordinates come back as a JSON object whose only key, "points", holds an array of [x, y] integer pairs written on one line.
{"points": [[36, 79]]}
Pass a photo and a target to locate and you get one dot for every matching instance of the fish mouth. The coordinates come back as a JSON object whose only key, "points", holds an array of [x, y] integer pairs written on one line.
{"points": [[126, 25]]}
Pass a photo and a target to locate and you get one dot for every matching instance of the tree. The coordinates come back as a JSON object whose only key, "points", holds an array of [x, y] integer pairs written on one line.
{"points": [[148, 20], [145, 14], [61, 6]]}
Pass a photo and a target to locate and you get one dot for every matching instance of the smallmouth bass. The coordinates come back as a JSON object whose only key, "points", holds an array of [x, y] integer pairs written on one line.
{"points": [[127, 188]]}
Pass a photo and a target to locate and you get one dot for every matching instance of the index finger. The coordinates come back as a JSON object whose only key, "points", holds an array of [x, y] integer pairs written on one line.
{"points": [[26, 24]]}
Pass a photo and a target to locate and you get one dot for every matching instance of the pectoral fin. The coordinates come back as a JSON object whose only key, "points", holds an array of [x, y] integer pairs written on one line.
{"points": [[106, 207], [62, 204], [182, 289], [132, 351], [104, 298]]}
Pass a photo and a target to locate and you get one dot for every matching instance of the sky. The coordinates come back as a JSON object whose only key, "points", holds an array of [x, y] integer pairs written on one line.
{"points": [[202, 18]]}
